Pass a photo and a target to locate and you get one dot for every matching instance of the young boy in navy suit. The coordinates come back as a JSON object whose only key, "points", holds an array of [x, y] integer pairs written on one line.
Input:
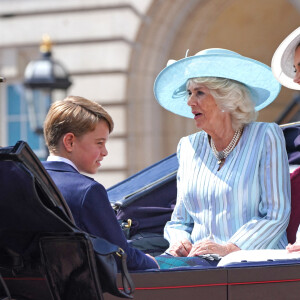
{"points": [[76, 131]]}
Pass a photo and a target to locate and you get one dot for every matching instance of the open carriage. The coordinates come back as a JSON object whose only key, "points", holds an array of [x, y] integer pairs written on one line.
{"points": [[43, 255]]}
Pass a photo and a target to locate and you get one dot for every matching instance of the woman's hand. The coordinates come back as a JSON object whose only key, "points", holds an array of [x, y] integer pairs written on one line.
{"points": [[210, 247], [293, 248], [181, 248]]}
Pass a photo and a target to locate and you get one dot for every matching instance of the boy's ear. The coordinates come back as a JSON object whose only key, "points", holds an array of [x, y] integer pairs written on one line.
{"points": [[68, 141]]}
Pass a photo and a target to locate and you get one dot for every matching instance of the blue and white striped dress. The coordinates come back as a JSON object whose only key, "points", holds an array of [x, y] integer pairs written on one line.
{"points": [[246, 202]]}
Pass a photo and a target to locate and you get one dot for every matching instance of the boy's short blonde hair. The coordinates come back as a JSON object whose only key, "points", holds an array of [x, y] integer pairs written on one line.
{"points": [[73, 114]]}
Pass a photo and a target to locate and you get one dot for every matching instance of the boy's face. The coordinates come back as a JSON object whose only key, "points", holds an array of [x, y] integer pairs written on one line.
{"points": [[90, 149]]}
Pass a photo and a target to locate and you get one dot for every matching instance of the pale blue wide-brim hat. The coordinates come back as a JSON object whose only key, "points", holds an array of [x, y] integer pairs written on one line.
{"points": [[170, 84]]}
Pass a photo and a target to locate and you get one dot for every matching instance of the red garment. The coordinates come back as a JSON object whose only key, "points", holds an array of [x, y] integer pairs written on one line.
{"points": [[295, 206]]}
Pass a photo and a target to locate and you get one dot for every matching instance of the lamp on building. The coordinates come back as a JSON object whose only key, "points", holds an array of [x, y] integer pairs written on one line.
{"points": [[44, 78]]}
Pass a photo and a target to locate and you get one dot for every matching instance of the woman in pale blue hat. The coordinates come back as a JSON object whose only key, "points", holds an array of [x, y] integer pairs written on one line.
{"points": [[286, 68], [233, 189]]}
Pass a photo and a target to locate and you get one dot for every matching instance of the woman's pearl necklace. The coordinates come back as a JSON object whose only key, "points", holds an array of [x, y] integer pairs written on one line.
{"points": [[224, 153]]}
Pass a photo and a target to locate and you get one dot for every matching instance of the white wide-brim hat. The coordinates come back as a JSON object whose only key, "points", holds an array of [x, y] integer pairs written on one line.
{"points": [[283, 60], [170, 84]]}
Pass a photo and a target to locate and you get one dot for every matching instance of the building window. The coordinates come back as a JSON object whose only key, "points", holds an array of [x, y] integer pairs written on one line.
{"points": [[17, 121]]}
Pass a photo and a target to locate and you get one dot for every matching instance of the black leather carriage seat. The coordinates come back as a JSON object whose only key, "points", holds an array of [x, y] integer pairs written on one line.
{"points": [[43, 255]]}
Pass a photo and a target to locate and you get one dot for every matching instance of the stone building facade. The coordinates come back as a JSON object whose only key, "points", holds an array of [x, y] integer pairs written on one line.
{"points": [[114, 49]]}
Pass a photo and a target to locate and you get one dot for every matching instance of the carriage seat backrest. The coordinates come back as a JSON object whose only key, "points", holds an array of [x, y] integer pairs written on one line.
{"points": [[38, 238], [24, 205], [29, 205]]}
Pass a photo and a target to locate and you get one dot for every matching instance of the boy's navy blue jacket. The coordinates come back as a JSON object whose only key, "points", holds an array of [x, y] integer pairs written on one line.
{"points": [[92, 211]]}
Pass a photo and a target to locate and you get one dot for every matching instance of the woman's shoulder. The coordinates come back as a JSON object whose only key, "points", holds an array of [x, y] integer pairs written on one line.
{"points": [[192, 139], [265, 125], [192, 142], [194, 136], [264, 132], [262, 127]]}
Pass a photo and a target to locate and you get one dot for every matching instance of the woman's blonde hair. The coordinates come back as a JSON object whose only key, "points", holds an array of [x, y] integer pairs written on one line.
{"points": [[231, 96], [73, 114]]}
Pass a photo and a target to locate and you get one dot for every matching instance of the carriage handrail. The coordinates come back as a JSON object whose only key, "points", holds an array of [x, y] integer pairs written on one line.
{"points": [[289, 124]]}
